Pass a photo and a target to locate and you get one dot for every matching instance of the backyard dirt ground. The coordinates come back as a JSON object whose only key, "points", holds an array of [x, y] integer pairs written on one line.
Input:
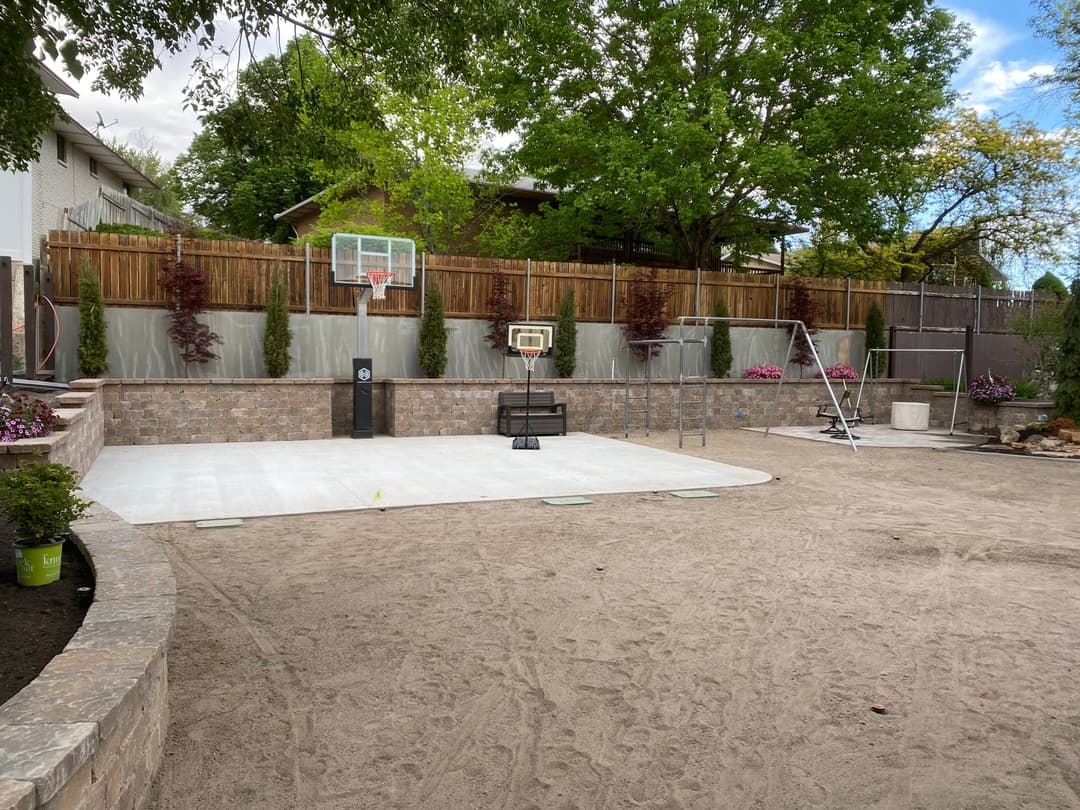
{"points": [[645, 650]]}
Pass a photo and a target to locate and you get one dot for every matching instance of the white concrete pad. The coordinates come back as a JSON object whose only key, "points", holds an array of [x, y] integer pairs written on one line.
{"points": [[882, 436], [162, 483]]}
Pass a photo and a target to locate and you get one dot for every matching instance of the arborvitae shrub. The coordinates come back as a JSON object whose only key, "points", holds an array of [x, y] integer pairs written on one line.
{"points": [[277, 338], [1067, 395], [93, 350], [566, 336], [720, 341], [433, 334], [875, 339]]}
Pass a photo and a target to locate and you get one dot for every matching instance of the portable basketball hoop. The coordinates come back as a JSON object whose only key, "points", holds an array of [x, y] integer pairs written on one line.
{"points": [[526, 439], [379, 280]]}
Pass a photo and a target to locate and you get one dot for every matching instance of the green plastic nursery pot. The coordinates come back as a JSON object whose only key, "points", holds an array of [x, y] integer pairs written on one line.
{"points": [[38, 565]]}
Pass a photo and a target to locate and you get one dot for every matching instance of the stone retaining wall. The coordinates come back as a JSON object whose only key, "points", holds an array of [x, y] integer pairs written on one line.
{"points": [[88, 733], [180, 411], [466, 407], [78, 441], [183, 411], [992, 418]]}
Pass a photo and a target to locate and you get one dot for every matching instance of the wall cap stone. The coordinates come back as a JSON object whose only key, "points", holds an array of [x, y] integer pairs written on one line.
{"points": [[89, 692]]}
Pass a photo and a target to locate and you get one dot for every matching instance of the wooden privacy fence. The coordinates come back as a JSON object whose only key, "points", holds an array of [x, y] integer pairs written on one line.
{"points": [[240, 272]]}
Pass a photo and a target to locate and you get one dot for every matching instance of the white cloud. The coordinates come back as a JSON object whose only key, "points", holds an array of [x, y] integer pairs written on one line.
{"points": [[986, 81], [998, 81], [158, 118]]}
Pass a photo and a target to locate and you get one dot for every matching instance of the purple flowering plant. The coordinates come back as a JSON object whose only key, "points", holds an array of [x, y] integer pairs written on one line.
{"points": [[840, 372], [990, 389], [764, 372], [23, 417]]}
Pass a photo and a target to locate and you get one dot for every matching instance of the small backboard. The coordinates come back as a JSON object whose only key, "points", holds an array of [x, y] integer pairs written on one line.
{"points": [[353, 256], [532, 335]]}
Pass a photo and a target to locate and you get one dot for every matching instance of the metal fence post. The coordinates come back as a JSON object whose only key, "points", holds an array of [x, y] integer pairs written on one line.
{"points": [[776, 302], [423, 281], [922, 300], [528, 286], [697, 294], [307, 278], [30, 323], [847, 305], [6, 365], [613, 291], [978, 310]]}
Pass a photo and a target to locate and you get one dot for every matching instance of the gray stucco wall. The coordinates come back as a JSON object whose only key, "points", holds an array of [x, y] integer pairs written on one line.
{"points": [[324, 345]]}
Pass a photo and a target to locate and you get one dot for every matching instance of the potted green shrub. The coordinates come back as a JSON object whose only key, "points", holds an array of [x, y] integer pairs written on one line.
{"points": [[39, 498]]}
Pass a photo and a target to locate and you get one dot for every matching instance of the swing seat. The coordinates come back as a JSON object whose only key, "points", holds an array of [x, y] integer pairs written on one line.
{"points": [[852, 415]]}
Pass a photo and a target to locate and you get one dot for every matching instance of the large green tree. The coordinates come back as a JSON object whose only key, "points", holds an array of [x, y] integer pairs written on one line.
{"points": [[977, 187], [415, 156], [258, 154], [703, 115], [121, 43], [165, 198]]}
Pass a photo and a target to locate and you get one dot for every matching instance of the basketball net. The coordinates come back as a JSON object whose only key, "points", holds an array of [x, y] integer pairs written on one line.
{"points": [[529, 356], [379, 279]]}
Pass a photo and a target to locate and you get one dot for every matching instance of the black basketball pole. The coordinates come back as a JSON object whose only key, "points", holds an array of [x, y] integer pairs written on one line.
{"points": [[528, 441]]}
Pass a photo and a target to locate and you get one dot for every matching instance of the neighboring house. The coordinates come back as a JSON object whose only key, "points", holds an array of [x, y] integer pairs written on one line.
{"points": [[73, 168], [969, 265], [523, 195], [764, 264]]}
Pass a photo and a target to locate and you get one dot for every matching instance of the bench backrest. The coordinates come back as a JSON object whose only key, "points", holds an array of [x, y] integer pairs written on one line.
{"points": [[516, 399]]}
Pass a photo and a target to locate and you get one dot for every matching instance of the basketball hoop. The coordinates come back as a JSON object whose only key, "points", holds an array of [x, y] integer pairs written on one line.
{"points": [[379, 279], [529, 355]]}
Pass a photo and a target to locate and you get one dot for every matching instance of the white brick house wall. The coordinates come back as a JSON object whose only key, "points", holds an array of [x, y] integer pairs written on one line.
{"points": [[59, 186]]}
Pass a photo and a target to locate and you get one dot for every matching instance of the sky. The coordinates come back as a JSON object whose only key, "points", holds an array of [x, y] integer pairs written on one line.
{"points": [[997, 76]]}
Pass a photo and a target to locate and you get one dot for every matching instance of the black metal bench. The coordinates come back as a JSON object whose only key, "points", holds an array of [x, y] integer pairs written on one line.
{"points": [[852, 415], [546, 416]]}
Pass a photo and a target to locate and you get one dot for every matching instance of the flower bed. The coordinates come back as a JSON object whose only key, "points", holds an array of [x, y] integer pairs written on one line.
{"points": [[839, 372], [764, 372], [23, 417], [990, 389]]}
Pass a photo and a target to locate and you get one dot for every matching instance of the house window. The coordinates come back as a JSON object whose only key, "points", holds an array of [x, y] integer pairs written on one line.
{"points": [[93, 167], [61, 149]]}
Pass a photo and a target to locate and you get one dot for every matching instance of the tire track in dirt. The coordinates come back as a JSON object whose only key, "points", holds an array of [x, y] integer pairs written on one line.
{"points": [[299, 720]]}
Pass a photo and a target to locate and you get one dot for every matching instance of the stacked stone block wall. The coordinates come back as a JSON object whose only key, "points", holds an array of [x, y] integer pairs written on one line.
{"points": [[198, 411], [78, 441], [341, 405], [466, 407], [88, 733]]}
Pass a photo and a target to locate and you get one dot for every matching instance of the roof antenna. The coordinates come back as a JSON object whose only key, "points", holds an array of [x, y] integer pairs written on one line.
{"points": [[102, 125]]}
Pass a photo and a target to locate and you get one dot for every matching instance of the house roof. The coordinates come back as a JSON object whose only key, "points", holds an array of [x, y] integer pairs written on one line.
{"points": [[80, 136], [53, 83], [525, 187]]}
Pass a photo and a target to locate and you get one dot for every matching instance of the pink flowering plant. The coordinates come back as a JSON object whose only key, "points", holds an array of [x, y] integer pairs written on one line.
{"points": [[23, 417], [990, 389], [764, 372], [840, 372]]}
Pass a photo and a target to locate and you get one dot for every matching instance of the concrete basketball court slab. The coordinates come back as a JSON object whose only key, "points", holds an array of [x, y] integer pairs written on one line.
{"points": [[180, 482]]}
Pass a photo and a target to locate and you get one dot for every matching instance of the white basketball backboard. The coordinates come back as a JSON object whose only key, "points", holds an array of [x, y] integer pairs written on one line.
{"points": [[353, 256]]}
